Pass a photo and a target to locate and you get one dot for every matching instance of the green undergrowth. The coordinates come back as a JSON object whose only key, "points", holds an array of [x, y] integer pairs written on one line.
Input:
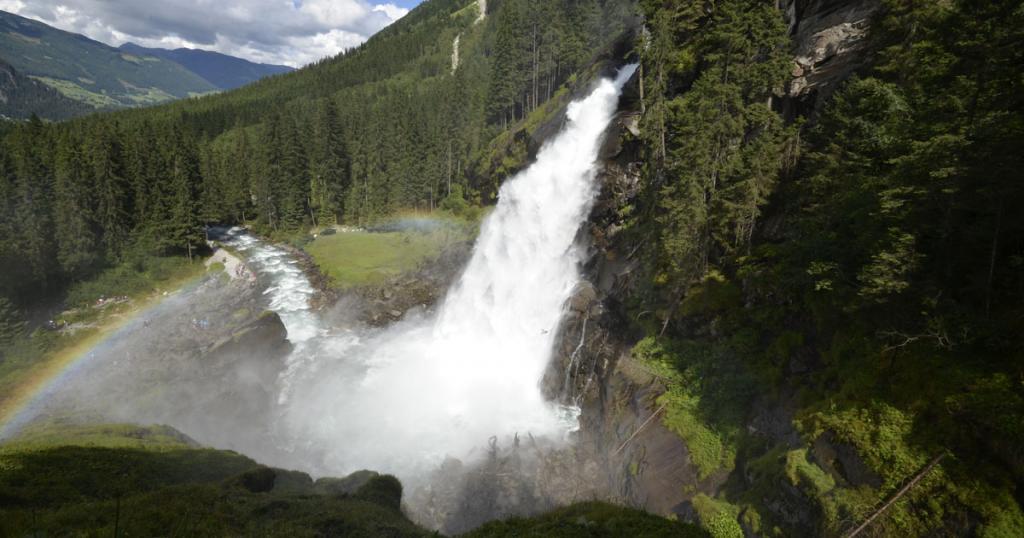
{"points": [[717, 517], [167, 489], [507, 152], [59, 433], [133, 278], [894, 412], [705, 399], [101, 480]]}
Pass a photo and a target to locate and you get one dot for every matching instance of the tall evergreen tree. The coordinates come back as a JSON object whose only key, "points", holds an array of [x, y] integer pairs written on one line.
{"points": [[74, 228], [113, 202], [328, 166]]}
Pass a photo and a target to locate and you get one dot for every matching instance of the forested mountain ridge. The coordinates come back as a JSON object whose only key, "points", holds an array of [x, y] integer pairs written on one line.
{"points": [[223, 71], [91, 72], [21, 96], [385, 126], [95, 77]]}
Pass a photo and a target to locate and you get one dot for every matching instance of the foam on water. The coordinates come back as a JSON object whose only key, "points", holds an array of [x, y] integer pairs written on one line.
{"points": [[289, 292]]}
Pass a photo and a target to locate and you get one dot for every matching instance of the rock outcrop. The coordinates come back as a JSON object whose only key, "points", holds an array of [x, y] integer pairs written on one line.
{"points": [[830, 38]]}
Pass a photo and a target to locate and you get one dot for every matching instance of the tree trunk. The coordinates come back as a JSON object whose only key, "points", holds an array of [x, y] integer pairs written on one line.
{"points": [[643, 105], [678, 297], [992, 260]]}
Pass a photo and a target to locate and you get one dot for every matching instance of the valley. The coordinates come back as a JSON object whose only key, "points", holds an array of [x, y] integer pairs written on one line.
{"points": [[511, 267]]}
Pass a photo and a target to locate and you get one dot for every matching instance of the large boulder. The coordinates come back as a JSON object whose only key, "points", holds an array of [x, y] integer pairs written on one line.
{"points": [[266, 334]]}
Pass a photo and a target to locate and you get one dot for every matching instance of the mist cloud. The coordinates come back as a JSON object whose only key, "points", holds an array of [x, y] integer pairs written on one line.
{"points": [[286, 32]]}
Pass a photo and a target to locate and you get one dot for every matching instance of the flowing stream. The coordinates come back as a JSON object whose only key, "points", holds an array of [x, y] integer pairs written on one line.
{"points": [[403, 399]]}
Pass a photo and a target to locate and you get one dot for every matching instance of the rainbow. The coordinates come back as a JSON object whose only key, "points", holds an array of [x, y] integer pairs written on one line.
{"points": [[53, 374]]}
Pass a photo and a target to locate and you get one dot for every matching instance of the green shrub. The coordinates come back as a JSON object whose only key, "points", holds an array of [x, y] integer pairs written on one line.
{"points": [[807, 475], [718, 517]]}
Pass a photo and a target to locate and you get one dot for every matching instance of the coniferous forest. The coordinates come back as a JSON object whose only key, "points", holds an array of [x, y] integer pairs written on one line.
{"points": [[857, 265], [388, 125]]}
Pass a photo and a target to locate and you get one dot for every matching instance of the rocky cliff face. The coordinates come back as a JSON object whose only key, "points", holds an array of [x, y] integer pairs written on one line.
{"points": [[830, 43], [634, 459]]}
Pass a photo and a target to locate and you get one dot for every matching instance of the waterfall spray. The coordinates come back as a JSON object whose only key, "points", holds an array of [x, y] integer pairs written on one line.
{"points": [[403, 400]]}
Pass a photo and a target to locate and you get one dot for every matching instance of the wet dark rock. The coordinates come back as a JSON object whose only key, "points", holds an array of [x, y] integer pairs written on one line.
{"points": [[583, 298], [264, 335]]}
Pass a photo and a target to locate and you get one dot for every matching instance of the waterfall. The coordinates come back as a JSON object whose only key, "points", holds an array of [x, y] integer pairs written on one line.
{"points": [[455, 53], [403, 399]]}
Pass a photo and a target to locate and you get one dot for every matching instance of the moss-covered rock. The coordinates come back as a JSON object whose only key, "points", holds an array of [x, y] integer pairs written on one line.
{"points": [[384, 490]]}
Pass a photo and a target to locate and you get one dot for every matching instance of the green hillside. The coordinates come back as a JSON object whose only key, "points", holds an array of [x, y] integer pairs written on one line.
{"points": [[91, 72], [22, 96]]}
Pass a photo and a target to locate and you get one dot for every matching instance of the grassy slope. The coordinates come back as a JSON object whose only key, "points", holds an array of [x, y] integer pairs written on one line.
{"points": [[152, 481], [360, 258], [160, 487]]}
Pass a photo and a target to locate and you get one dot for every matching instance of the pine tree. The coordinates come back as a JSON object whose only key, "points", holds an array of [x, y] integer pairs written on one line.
{"points": [[112, 194], [328, 166], [185, 230], [294, 180], [267, 173], [74, 229], [32, 208], [12, 325]]}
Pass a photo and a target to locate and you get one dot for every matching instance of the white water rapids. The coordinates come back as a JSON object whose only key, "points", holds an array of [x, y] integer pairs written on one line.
{"points": [[403, 399]]}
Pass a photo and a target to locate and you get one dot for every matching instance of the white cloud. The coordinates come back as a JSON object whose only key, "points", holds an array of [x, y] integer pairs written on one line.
{"points": [[292, 32], [392, 11], [11, 6]]}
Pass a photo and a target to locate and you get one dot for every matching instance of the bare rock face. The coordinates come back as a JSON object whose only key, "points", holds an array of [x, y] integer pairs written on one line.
{"points": [[830, 38]]}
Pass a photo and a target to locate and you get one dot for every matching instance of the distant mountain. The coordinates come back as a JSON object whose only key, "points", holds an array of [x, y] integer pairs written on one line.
{"points": [[223, 71], [21, 96], [91, 72]]}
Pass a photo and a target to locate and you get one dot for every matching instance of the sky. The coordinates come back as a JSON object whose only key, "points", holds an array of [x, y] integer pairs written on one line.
{"points": [[289, 32]]}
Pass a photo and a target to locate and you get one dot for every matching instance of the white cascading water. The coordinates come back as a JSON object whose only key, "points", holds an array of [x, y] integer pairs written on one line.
{"points": [[290, 290], [403, 399]]}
